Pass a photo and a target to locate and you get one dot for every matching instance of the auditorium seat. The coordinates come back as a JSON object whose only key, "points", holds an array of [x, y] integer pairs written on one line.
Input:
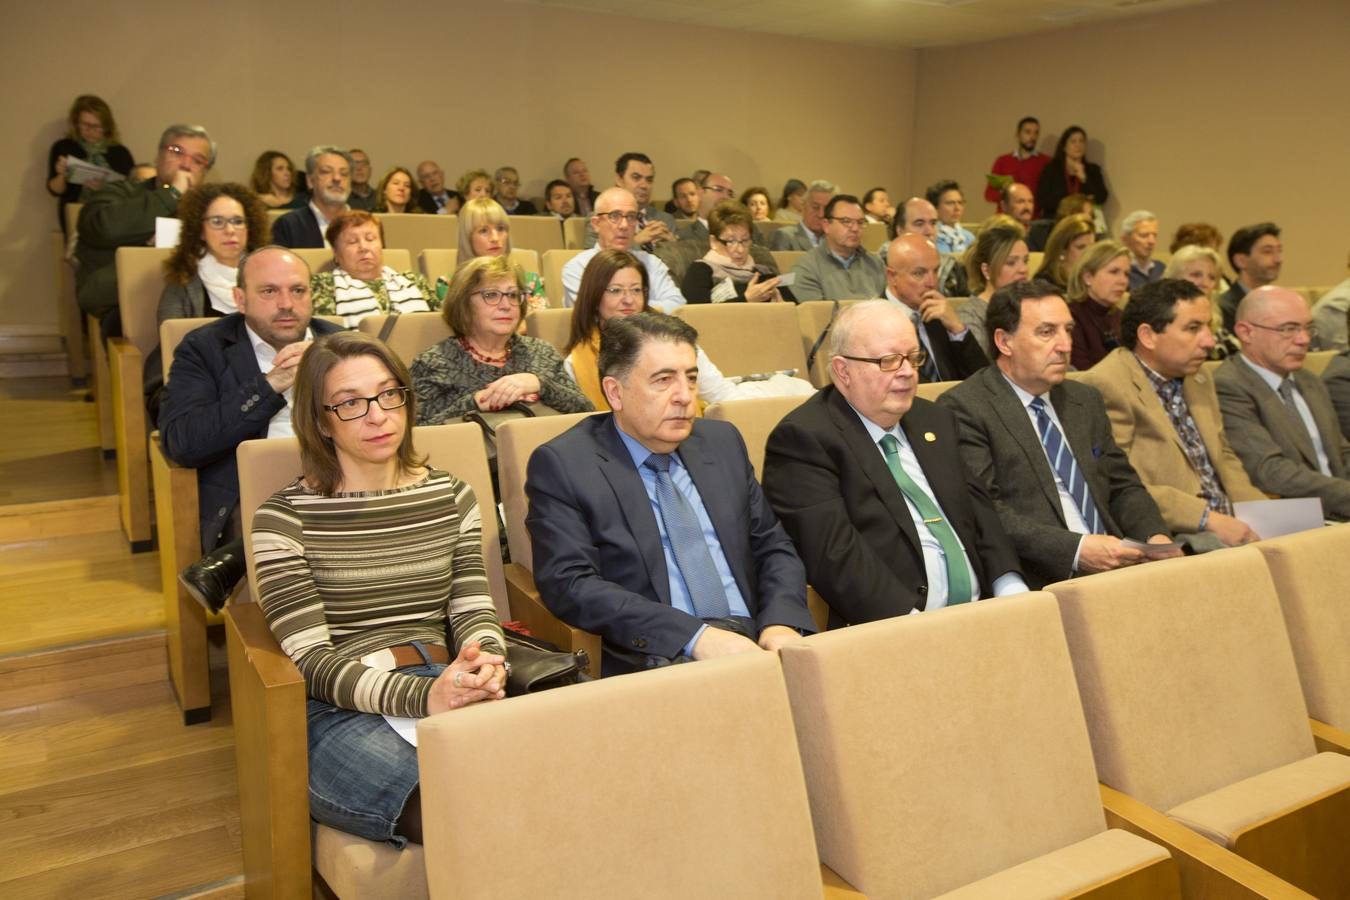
{"points": [[438, 262], [786, 259], [1311, 571], [678, 782], [813, 317], [748, 338], [1318, 360], [516, 440], [934, 389], [946, 755], [574, 232], [766, 229], [267, 695], [755, 418], [140, 281], [553, 262], [551, 325], [71, 316], [416, 232], [1034, 260], [1195, 711], [412, 333], [537, 233]]}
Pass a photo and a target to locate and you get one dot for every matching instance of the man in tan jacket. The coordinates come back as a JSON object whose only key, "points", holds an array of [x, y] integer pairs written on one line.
{"points": [[1165, 415]]}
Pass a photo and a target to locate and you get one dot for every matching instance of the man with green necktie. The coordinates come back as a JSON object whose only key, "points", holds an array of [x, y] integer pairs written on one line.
{"points": [[867, 479]]}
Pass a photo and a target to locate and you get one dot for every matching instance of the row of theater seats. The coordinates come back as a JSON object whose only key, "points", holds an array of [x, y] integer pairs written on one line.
{"points": [[1142, 733]]}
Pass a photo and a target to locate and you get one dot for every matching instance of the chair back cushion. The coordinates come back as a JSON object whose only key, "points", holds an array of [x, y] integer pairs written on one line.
{"points": [[416, 232], [748, 338], [552, 325], [413, 332], [516, 440], [754, 418], [140, 281]]}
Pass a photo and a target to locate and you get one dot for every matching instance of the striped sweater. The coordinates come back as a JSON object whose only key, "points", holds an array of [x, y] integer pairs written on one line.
{"points": [[343, 575]]}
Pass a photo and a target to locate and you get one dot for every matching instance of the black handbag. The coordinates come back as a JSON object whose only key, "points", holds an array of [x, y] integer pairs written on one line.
{"points": [[488, 421], [537, 665]]}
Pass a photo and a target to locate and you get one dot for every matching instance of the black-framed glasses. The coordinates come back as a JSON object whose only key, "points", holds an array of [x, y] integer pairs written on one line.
{"points": [[892, 362], [735, 242], [618, 218], [847, 222], [493, 297], [183, 154], [1289, 329], [357, 407], [218, 223]]}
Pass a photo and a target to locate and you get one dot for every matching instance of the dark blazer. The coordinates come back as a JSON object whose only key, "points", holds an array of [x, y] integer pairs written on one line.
{"points": [[1002, 452], [1272, 442], [839, 501], [1336, 376], [524, 208], [1053, 187], [216, 399], [598, 560], [298, 228], [955, 360], [428, 204]]}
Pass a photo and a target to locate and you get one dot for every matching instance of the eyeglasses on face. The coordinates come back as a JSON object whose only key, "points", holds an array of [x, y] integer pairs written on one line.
{"points": [[615, 291], [218, 223], [1288, 330], [618, 218], [357, 407], [735, 242], [492, 297], [892, 362], [847, 222], [509, 182], [196, 158]]}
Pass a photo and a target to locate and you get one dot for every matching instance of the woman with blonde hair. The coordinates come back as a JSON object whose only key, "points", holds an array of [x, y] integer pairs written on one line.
{"points": [[1068, 239], [997, 258], [370, 574], [485, 230], [1097, 286], [1201, 266], [475, 183], [484, 364]]}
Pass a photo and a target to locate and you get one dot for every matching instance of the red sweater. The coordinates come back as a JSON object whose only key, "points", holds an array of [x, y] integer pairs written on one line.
{"points": [[1024, 171]]}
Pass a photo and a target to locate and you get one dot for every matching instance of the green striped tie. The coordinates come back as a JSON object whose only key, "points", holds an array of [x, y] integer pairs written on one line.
{"points": [[958, 569]]}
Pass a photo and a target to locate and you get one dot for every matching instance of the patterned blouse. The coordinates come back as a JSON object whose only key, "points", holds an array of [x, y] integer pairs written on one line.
{"points": [[446, 377], [345, 575], [336, 293]]}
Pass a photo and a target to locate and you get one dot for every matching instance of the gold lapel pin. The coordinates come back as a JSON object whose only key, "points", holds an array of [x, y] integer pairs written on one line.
{"points": [[929, 436]]}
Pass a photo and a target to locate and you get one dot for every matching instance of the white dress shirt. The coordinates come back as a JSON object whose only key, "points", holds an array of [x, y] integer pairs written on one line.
{"points": [[266, 354]]}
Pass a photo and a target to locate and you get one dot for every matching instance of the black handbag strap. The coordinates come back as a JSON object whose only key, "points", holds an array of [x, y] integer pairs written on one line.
{"points": [[815, 348], [388, 327]]}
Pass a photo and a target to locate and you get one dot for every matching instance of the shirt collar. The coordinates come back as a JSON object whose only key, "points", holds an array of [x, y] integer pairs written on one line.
{"points": [[264, 349], [1269, 377], [1024, 396], [1159, 383], [636, 450]]}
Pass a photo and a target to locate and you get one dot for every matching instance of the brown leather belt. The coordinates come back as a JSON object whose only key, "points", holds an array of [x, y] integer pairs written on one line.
{"points": [[405, 655]]}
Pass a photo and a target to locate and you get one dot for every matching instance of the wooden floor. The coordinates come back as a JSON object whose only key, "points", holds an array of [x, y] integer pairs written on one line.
{"points": [[103, 791]]}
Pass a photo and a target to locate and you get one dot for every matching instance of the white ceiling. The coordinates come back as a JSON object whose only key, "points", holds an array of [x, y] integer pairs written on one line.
{"points": [[880, 23]]}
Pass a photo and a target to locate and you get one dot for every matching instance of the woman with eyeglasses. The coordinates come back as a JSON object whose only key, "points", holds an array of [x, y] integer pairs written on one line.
{"points": [[92, 136], [360, 284], [485, 364], [616, 284], [485, 230], [727, 273], [370, 574]]}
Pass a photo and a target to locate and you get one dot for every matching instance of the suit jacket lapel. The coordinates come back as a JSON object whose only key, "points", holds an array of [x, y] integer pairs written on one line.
{"points": [[1329, 430], [616, 465], [1274, 411], [1013, 414], [1152, 403], [873, 465]]}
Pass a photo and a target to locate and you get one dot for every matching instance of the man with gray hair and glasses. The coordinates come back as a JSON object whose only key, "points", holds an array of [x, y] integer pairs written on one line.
{"points": [[807, 233], [123, 213], [329, 170]]}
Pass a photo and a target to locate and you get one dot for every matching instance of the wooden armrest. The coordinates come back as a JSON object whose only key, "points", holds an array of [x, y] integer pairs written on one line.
{"points": [[836, 888], [1207, 870], [267, 696], [126, 368], [528, 609], [1329, 738]]}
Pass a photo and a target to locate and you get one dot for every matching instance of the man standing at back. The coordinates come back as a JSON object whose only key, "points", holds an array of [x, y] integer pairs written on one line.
{"points": [[1041, 446], [1022, 166], [648, 526], [231, 381], [868, 482], [330, 183]]}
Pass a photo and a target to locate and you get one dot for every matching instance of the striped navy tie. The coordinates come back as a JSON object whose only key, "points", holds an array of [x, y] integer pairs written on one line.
{"points": [[1066, 467]]}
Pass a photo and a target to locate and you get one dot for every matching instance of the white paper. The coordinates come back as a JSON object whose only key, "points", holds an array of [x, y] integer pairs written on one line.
{"points": [[80, 172], [167, 231], [723, 291], [404, 727], [1272, 518]]}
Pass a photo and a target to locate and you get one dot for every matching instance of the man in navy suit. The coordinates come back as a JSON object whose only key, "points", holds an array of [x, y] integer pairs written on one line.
{"points": [[329, 170], [648, 525], [231, 382]]}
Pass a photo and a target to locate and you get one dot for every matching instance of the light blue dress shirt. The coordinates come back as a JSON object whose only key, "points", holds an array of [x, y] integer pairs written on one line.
{"points": [[679, 591]]}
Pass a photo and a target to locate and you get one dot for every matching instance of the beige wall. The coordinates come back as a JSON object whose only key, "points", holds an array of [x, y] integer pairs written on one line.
{"points": [[1231, 113], [447, 80]]}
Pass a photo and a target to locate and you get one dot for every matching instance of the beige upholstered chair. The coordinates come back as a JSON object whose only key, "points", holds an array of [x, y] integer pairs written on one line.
{"points": [[537, 233], [552, 325], [812, 318], [553, 262], [140, 281], [274, 214], [754, 418], [947, 752], [416, 232], [766, 229], [516, 440], [72, 318], [1311, 571], [574, 233], [1196, 715], [267, 696], [437, 263], [1318, 360], [786, 259], [934, 389], [873, 236], [413, 332], [748, 338], [700, 796], [1034, 260]]}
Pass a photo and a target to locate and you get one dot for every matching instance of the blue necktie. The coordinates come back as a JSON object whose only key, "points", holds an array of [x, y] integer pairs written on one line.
{"points": [[929, 373], [688, 544], [1066, 467]]}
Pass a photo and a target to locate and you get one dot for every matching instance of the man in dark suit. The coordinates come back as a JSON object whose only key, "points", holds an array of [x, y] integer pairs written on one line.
{"points": [[330, 184], [1041, 446], [648, 525], [868, 482], [433, 196], [1279, 417], [584, 193], [231, 382], [912, 266]]}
